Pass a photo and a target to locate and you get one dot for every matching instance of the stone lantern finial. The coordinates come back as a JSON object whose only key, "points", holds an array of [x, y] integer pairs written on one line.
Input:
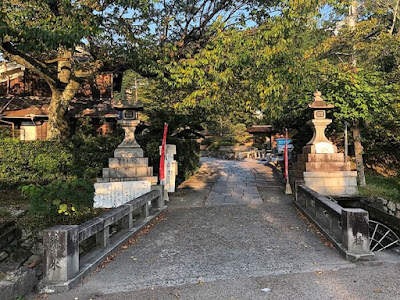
{"points": [[319, 103]]}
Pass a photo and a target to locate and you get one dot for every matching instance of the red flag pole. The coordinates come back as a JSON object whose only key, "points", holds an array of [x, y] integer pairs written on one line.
{"points": [[288, 189], [162, 158], [286, 155]]}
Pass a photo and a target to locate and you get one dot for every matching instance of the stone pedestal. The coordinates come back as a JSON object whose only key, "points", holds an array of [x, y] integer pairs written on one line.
{"points": [[319, 165]]}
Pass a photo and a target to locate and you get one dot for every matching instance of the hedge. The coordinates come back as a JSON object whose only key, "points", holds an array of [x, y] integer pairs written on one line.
{"points": [[42, 162]]}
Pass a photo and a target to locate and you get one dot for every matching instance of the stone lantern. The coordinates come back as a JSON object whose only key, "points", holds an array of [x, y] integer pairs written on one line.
{"points": [[320, 166], [130, 119], [319, 142], [128, 175]]}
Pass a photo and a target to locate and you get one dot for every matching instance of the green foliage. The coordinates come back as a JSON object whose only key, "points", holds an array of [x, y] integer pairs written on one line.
{"points": [[60, 202], [42, 162], [35, 162], [207, 141], [5, 132], [214, 146], [379, 186], [187, 157], [63, 197]]}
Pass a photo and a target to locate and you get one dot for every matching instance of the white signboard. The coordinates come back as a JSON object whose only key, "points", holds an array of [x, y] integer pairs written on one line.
{"points": [[114, 194]]}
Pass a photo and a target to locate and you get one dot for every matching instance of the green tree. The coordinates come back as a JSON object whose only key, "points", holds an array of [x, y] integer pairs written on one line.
{"points": [[64, 42]]}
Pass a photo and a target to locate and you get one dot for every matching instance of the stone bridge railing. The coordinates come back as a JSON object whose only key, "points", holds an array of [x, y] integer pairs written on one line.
{"points": [[254, 154], [63, 266], [346, 228]]}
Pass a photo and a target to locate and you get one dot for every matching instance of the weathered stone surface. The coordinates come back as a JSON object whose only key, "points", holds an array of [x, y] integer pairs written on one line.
{"points": [[61, 252], [355, 236], [3, 255], [114, 194], [391, 206], [25, 283], [128, 152], [384, 201], [6, 290], [122, 162]]}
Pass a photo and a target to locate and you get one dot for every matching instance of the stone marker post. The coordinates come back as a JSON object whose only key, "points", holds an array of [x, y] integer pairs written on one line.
{"points": [[355, 235], [171, 168], [61, 252]]}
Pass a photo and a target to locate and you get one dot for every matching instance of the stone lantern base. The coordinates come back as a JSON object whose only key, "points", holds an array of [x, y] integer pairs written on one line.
{"points": [[327, 174]]}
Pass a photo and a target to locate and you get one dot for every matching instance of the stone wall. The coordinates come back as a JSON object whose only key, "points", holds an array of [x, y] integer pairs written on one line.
{"points": [[20, 263], [390, 207]]}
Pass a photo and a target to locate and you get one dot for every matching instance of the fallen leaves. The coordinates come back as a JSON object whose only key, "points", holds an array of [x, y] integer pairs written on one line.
{"points": [[314, 228], [131, 241]]}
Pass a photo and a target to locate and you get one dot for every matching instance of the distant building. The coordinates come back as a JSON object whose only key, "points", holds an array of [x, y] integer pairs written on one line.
{"points": [[263, 134], [25, 98]]}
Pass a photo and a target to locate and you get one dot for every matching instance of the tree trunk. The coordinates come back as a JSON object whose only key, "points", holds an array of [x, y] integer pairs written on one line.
{"points": [[58, 120], [358, 149], [58, 124]]}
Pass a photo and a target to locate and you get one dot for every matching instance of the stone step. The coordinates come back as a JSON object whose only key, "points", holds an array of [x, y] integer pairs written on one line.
{"points": [[123, 162], [128, 152], [323, 157], [152, 179], [335, 190], [127, 172], [327, 166], [344, 178]]}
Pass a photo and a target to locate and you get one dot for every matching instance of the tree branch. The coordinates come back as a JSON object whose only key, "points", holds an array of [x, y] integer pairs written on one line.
{"points": [[30, 63]]}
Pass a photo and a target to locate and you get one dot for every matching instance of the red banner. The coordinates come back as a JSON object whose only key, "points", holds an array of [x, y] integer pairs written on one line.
{"points": [[286, 156], [162, 159]]}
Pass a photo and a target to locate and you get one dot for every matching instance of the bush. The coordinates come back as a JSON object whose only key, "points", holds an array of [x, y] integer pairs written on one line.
{"points": [[207, 141], [60, 202], [214, 146], [37, 162], [227, 143], [41, 162]]}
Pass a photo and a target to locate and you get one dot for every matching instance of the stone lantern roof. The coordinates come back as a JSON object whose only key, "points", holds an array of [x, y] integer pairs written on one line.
{"points": [[320, 103], [128, 105]]}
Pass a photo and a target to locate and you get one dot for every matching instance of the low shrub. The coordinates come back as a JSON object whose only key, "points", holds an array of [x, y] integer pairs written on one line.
{"points": [[207, 141], [214, 146], [226, 143], [60, 202]]}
